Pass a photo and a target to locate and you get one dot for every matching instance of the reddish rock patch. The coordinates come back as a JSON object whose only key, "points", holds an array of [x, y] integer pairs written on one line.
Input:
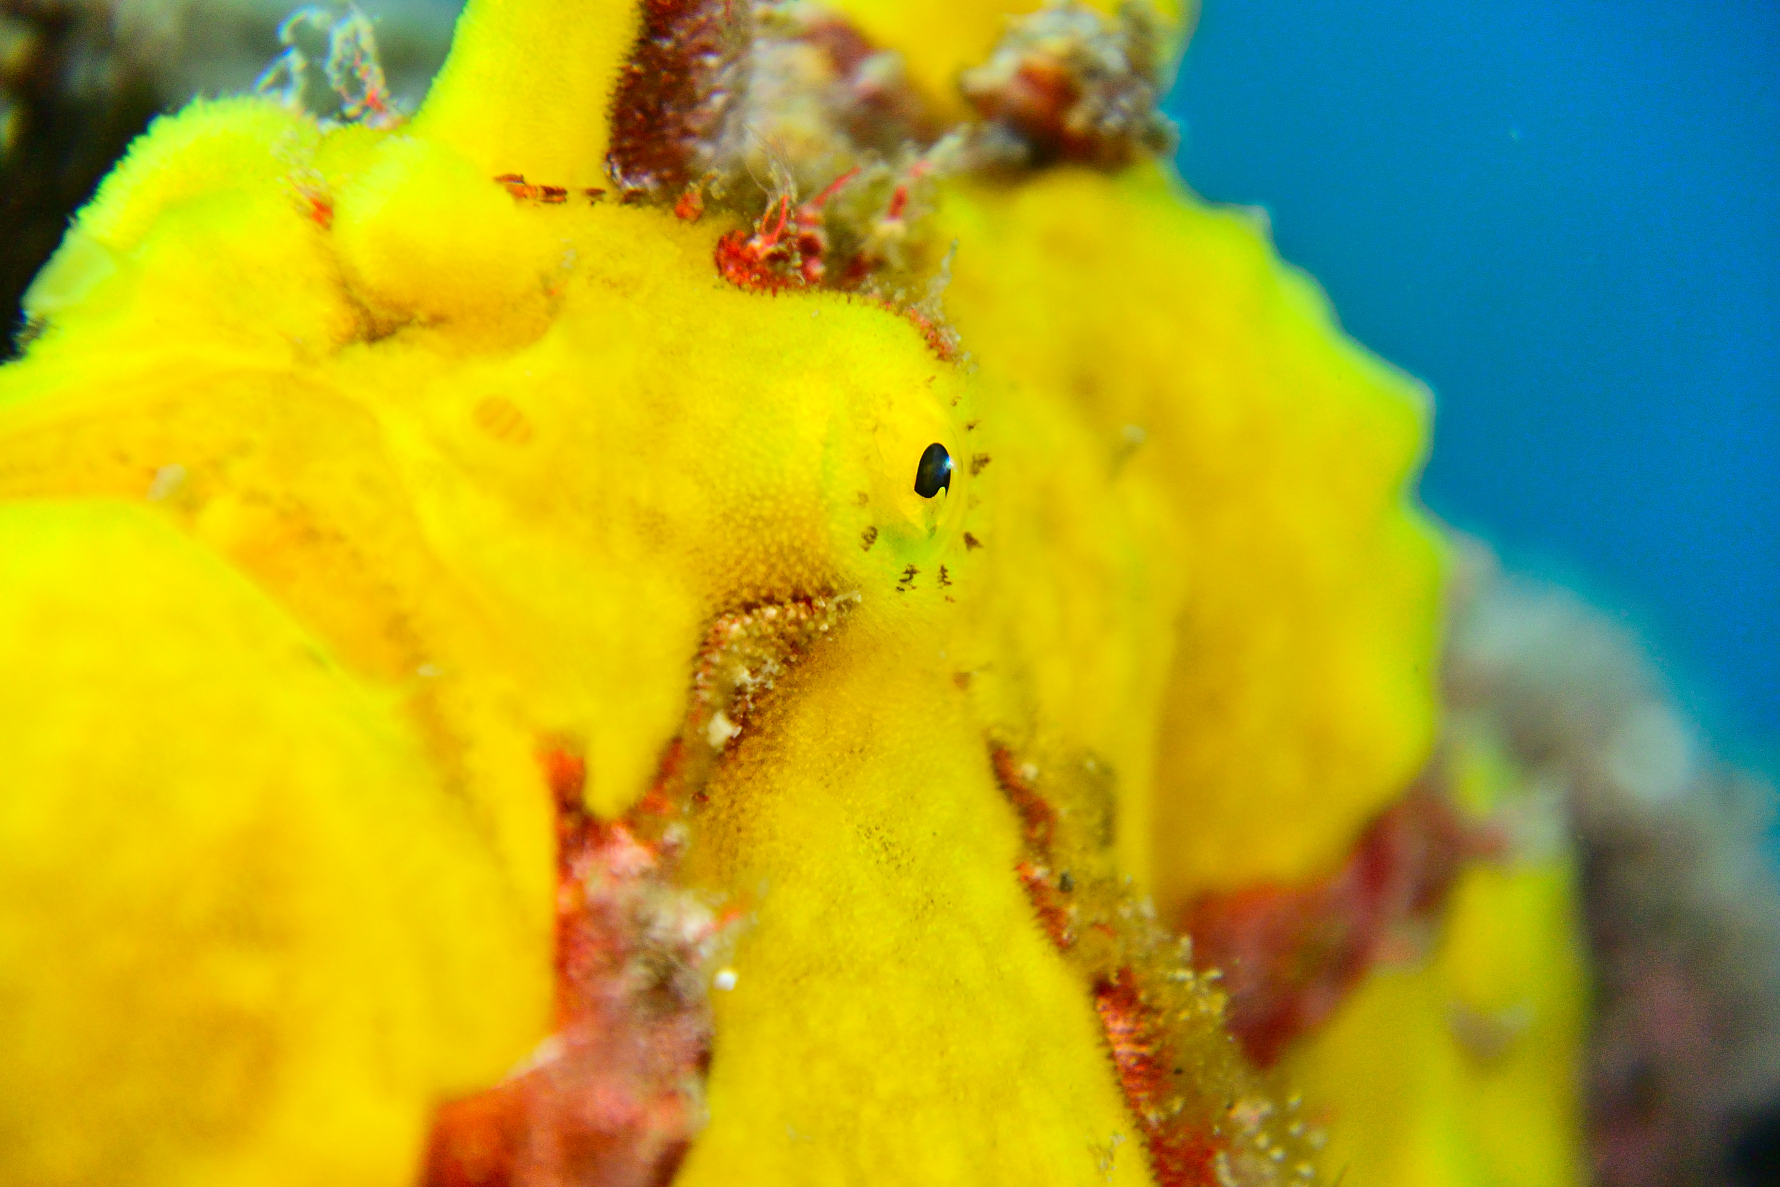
{"points": [[615, 1095], [1291, 954]]}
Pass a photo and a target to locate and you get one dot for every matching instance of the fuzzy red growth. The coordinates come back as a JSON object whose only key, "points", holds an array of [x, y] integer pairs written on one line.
{"points": [[1047, 900], [565, 771], [1071, 86], [899, 203], [318, 208], [1291, 954], [673, 94], [612, 1096], [1180, 1156], [1038, 820], [812, 238], [788, 247], [1038, 100], [762, 260], [917, 171], [691, 206], [743, 655], [939, 340], [658, 802]]}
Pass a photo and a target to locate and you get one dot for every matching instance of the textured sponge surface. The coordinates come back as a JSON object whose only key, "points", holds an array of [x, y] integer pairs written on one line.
{"points": [[227, 887]]}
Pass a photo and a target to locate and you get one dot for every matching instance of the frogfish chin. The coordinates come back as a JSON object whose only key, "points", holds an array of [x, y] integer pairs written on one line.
{"points": [[753, 594]]}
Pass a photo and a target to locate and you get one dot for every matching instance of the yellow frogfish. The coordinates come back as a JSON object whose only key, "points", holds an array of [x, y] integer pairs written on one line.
{"points": [[754, 594]]}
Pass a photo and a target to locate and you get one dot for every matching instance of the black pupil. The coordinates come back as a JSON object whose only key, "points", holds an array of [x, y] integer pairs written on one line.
{"points": [[934, 474]]}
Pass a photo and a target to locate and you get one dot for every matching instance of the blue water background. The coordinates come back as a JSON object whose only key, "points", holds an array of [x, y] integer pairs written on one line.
{"points": [[1565, 217]]}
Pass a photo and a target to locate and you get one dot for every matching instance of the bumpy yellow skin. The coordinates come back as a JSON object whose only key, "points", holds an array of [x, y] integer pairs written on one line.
{"points": [[310, 533]]}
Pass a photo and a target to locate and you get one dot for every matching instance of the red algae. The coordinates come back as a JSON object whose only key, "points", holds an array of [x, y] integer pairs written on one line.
{"points": [[1179, 1155], [615, 1095], [1067, 85], [1200, 1107], [1291, 954], [1038, 820], [764, 260], [676, 94]]}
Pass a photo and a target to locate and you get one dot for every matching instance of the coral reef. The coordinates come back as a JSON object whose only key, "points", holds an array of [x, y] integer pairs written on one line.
{"points": [[1681, 905]]}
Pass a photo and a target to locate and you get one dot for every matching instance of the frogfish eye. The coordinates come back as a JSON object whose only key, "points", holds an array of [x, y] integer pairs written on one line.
{"points": [[934, 474]]}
